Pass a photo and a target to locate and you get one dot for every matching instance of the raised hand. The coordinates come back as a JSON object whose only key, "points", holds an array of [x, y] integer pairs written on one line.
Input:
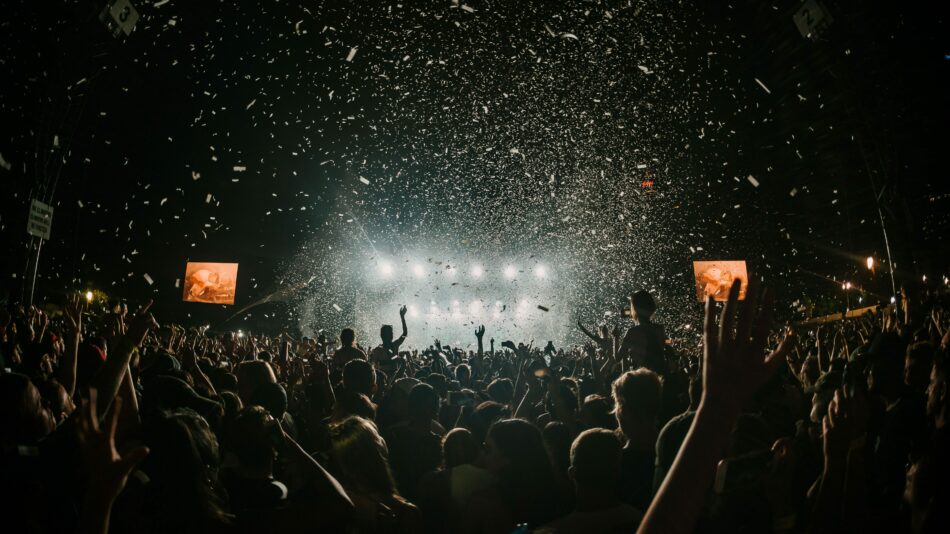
{"points": [[735, 365], [480, 331], [402, 311], [72, 311], [109, 469], [140, 324]]}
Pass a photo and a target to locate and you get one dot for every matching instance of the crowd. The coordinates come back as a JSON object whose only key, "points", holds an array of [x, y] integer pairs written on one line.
{"points": [[112, 421]]}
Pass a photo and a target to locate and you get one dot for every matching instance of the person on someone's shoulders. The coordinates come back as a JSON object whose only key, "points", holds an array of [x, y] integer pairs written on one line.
{"points": [[348, 350], [643, 342]]}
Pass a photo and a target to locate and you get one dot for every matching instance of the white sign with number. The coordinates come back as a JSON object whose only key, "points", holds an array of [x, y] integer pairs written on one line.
{"points": [[120, 17]]}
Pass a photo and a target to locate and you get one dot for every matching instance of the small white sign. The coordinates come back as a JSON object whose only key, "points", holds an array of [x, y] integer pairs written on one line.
{"points": [[40, 220]]}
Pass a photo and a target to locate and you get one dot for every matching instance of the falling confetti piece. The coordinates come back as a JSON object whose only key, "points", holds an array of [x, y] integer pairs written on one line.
{"points": [[148, 279], [752, 180], [762, 85], [351, 55], [239, 168]]}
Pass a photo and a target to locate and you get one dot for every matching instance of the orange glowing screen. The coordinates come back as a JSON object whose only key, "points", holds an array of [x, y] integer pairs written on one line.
{"points": [[211, 283], [715, 277]]}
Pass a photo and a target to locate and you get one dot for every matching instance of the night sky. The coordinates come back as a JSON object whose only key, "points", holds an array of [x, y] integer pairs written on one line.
{"points": [[614, 141]]}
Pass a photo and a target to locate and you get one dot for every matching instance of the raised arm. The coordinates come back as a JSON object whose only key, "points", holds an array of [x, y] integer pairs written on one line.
{"points": [[67, 367], [595, 338], [733, 369], [402, 319], [112, 373]]}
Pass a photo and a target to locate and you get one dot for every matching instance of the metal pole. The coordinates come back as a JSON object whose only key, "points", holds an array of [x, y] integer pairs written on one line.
{"points": [[34, 268], [887, 247]]}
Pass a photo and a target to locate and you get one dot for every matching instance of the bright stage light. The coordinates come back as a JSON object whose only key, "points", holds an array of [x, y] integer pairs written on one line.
{"points": [[541, 271], [418, 270], [477, 271], [510, 272], [386, 269], [88, 296], [475, 308], [413, 312], [870, 262]]}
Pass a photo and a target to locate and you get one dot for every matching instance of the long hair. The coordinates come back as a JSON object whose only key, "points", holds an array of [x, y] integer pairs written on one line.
{"points": [[362, 455], [182, 466]]}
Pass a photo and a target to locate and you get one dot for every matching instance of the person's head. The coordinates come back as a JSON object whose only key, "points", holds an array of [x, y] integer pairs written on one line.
{"points": [[273, 398], [423, 403], [349, 403], [917, 366], [359, 377], [636, 400], [253, 439], [459, 448], [347, 337], [938, 396], [557, 440], [182, 469], [596, 412], [484, 416], [386, 333], [25, 416], [643, 305], [515, 454], [439, 383], [60, 403], [252, 375], [595, 460], [463, 373], [362, 455], [501, 390]]}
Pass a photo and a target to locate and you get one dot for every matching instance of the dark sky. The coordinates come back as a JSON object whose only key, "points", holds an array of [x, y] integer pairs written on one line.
{"points": [[479, 130]]}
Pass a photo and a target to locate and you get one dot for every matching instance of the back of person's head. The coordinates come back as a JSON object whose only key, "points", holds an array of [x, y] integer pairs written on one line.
{"points": [[557, 440], [182, 469], [501, 390], [386, 333], [252, 375], [637, 395], [484, 416], [272, 397], [252, 436], [359, 377], [643, 304], [423, 403], [595, 459], [439, 383], [347, 337], [517, 457], [459, 448], [463, 373], [361, 453], [566, 389], [596, 412]]}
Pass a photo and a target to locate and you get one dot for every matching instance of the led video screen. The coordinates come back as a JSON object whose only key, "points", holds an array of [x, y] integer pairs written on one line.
{"points": [[210, 283], [714, 278]]}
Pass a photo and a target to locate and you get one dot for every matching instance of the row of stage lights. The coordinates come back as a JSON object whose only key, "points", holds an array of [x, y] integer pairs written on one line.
{"points": [[510, 272], [477, 309]]}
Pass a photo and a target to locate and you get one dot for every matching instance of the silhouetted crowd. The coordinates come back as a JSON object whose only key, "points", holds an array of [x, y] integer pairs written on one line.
{"points": [[113, 421]]}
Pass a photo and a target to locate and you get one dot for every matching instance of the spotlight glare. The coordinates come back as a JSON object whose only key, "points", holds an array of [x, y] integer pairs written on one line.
{"points": [[511, 272], [418, 270], [477, 271], [88, 296], [386, 269], [870, 262], [541, 271]]}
